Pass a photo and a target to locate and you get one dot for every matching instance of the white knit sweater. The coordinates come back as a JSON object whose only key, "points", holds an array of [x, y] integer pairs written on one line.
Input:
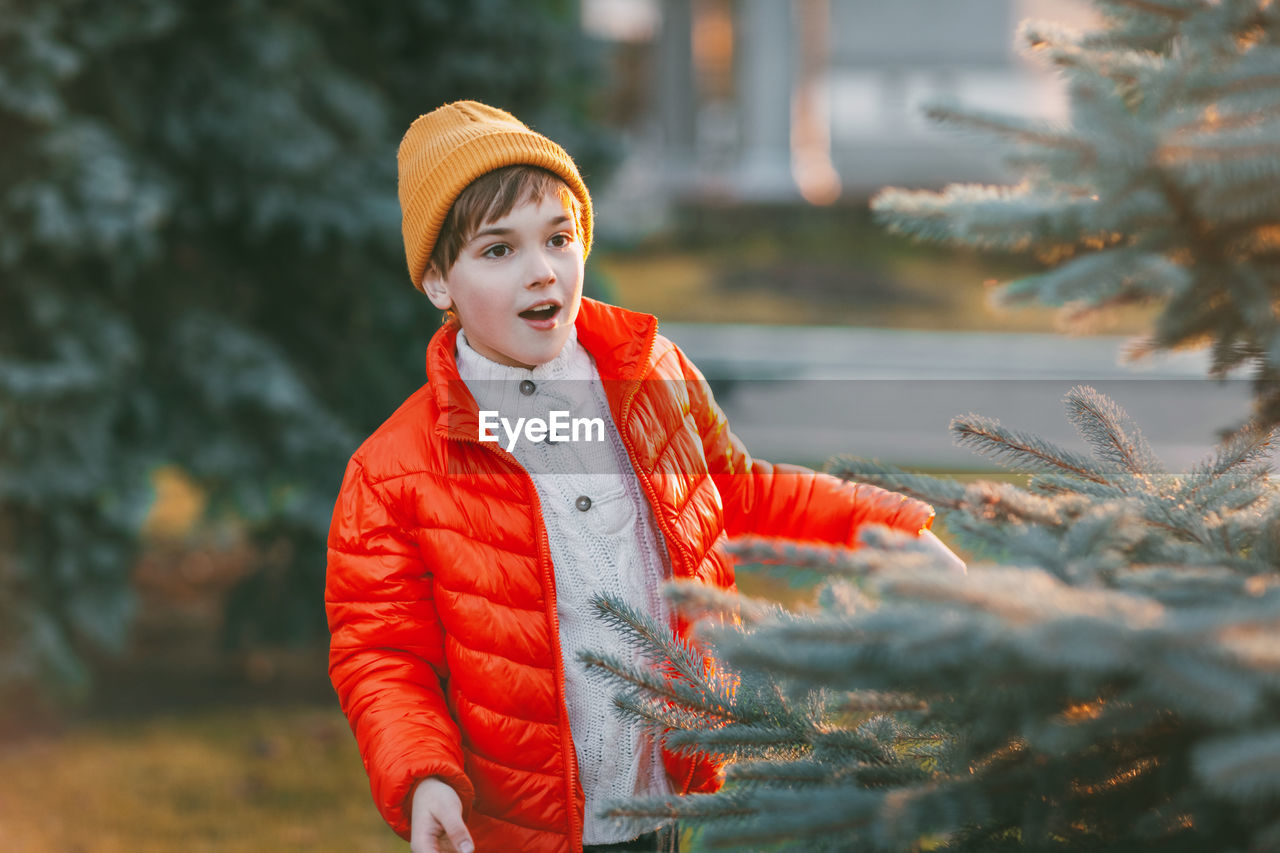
{"points": [[608, 543]]}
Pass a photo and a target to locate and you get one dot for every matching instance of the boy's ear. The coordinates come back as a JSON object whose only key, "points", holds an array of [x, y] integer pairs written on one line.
{"points": [[433, 285]]}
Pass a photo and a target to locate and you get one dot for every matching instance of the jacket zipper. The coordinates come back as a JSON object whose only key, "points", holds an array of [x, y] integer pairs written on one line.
{"points": [[548, 573], [650, 492], [544, 553]]}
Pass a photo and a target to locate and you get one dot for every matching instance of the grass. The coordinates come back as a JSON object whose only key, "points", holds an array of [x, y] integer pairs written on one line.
{"points": [[222, 781], [227, 780]]}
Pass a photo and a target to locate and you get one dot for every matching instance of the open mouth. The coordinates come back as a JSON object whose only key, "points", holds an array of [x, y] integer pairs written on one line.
{"points": [[542, 312]]}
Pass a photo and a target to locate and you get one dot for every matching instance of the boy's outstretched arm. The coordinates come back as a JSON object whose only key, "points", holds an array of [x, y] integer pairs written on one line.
{"points": [[386, 655], [789, 501]]}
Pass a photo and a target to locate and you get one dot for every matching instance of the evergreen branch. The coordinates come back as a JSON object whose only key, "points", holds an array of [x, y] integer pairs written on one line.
{"points": [[1244, 85], [787, 773], [1123, 272], [1169, 551], [726, 805], [1244, 496], [1019, 596], [1113, 434], [1010, 544], [1232, 492], [1085, 57], [1010, 218], [694, 600], [1240, 119], [1004, 501], [660, 715], [772, 551], [1060, 486], [1168, 518], [1048, 35], [1227, 173], [700, 696], [838, 810], [1009, 446], [1177, 153], [1245, 448], [874, 741], [1103, 542], [936, 491], [889, 776], [1001, 124], [1198, 684], [653, 640], [882, 702], [751, 739], [1253, 643], [891, 550], [1153, 7]]}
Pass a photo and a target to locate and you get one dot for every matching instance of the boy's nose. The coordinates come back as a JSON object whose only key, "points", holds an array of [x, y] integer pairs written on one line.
{"points": [[540, 271]]}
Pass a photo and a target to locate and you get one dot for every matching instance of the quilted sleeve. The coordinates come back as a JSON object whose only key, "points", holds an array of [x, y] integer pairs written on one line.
{"points": [[790, 501], [386, 654]]}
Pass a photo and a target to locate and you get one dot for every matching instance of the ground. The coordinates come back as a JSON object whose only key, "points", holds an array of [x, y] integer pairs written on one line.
{"points": [[231, 780]]}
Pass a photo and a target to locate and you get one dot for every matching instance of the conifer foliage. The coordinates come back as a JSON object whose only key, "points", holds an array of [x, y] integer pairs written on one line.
{"points": [[1164, 186], [1106, 676], [1107, 679], [201, 266]]}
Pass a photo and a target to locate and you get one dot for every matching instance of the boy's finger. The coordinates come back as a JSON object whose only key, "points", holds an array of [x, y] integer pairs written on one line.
{"points": [[457, 834], [426, 841]]}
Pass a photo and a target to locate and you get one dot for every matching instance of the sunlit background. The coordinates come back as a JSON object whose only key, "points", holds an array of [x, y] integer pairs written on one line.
{"points": [[765, 101]]}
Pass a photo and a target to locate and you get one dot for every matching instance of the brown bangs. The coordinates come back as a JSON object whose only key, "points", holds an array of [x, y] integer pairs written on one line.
{"points": [[490, 197]]}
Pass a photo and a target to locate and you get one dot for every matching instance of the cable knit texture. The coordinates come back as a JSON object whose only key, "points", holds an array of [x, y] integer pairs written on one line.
{"points": [[609, 545], [442, 591]]}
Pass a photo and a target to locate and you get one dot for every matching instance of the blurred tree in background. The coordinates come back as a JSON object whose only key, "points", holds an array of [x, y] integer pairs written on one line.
{"points": [[201, 263], [1164, 188], [1109, 680]]}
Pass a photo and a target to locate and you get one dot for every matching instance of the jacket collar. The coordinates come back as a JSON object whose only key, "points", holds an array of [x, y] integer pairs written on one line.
{"points": [[619, 340]]}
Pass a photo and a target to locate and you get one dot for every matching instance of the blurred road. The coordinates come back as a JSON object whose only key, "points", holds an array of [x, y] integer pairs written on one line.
{"points": [[804, 394]]}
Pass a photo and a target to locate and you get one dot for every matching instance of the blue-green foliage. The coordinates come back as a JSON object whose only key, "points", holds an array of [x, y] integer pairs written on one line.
{"points": [[1104, 677], [1161, 188], [200, 265]]}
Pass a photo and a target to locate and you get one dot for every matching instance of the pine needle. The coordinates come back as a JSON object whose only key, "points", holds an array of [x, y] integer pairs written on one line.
{"points": [[1013, 449]]}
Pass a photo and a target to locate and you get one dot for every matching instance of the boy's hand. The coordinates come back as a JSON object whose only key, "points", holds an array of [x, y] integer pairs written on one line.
{"points": [[436, 823]]}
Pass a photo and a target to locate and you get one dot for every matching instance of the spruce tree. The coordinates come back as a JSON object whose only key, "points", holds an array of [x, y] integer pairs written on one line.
{"points": [[1162, 187], [201, 265], [1106, 677]]}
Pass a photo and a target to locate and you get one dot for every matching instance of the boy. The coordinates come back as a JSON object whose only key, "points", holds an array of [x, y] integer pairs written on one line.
{"points": [[463, 550]]}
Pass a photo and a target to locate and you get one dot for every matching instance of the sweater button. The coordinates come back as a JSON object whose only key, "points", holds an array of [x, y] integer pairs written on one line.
{"points": [[527, 388], [583, 503]]}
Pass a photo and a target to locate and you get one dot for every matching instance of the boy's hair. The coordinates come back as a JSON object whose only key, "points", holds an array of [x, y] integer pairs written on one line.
{"points": [[490, 197]]}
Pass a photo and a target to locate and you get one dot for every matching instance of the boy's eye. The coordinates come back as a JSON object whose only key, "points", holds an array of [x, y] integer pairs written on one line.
{"points": [[561, 240], [498, 250]]}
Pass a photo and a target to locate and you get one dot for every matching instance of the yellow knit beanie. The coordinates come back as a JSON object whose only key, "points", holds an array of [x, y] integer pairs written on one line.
{"points": [[448, 148]]}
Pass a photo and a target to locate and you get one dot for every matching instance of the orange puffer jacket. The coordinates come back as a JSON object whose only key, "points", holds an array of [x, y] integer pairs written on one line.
{"points": [[441, 593]]}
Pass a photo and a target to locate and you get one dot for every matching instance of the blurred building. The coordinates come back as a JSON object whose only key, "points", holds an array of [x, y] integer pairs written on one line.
{"points": [[777, 100]]}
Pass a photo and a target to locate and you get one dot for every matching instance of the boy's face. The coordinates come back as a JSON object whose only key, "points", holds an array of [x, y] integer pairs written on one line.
{"points": [[517, 283]]}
